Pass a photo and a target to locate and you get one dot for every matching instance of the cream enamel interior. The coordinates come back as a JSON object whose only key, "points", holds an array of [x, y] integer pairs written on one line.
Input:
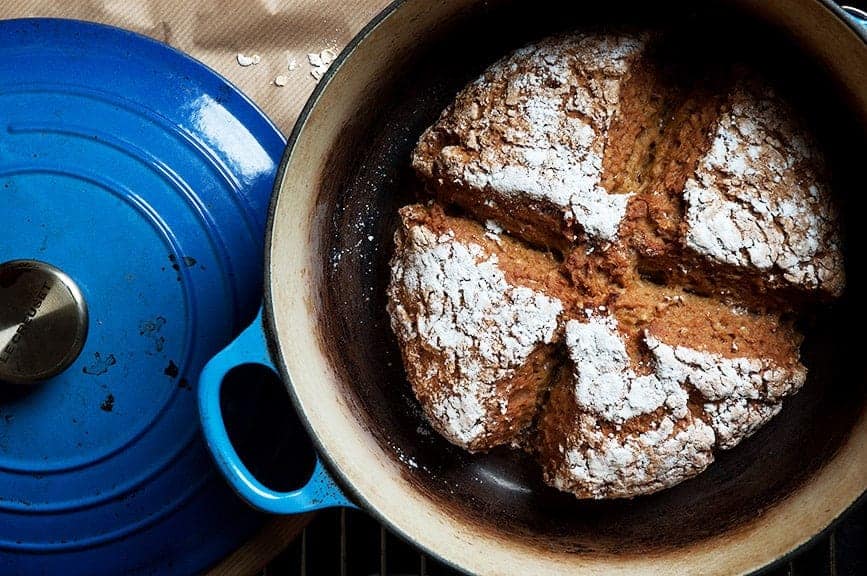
{"points": [[361, 463]]}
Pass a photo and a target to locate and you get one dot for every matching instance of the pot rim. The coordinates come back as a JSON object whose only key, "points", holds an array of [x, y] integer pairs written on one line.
{"points": [[270, 332]]}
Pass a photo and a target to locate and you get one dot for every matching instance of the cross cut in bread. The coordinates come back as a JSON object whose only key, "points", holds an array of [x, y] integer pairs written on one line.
{"points": [[628, 246]]}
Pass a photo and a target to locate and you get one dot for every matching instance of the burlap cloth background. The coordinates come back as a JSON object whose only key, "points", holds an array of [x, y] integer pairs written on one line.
{"points": [[214, 32]]}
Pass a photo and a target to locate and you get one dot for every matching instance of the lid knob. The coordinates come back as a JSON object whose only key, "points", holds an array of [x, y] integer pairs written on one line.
{"points": [[43, 321]]}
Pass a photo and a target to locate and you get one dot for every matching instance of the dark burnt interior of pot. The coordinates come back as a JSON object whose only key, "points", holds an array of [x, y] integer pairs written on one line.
{"points": [[503, 490]]}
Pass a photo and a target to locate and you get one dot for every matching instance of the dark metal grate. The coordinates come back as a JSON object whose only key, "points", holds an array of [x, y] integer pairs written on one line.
{"points": [[351, 543]]}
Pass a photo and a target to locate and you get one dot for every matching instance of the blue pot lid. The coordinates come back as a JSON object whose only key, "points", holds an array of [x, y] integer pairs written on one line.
{"points": [[144, 177]]}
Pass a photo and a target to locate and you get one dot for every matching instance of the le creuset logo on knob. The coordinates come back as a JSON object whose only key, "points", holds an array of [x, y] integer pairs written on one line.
{"points": [[31, 313], [43, 321]]}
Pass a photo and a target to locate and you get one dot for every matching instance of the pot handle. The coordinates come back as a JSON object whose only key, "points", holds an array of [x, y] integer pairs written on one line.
{"points": [[858, 15], [319, 492]]}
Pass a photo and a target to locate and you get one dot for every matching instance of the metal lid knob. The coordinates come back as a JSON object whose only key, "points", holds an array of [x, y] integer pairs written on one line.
{"points": [[43, 321]]}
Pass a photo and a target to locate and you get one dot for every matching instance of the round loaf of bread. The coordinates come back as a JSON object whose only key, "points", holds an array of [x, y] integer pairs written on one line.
{"points": [[618, 295]]}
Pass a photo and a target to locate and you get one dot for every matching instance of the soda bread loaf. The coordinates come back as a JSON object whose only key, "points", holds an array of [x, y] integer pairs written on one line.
{"points": [[628, 247]]}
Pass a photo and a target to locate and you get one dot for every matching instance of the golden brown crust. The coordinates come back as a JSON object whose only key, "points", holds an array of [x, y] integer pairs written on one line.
{"points": [[476, 315], [739, 206], [642, 455], [654, 382], [524, 143]]}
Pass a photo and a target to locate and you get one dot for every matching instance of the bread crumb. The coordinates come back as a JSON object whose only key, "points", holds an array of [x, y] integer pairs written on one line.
{"points": [[320, 62], [244, 60], [293, 64], [281, 80]]}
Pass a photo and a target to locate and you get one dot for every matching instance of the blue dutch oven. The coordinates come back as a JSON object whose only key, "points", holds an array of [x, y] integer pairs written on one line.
{"points": [[324, 330]]}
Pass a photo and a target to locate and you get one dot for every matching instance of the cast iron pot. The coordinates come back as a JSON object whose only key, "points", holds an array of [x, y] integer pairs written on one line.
{"points": [[324, 328]]}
